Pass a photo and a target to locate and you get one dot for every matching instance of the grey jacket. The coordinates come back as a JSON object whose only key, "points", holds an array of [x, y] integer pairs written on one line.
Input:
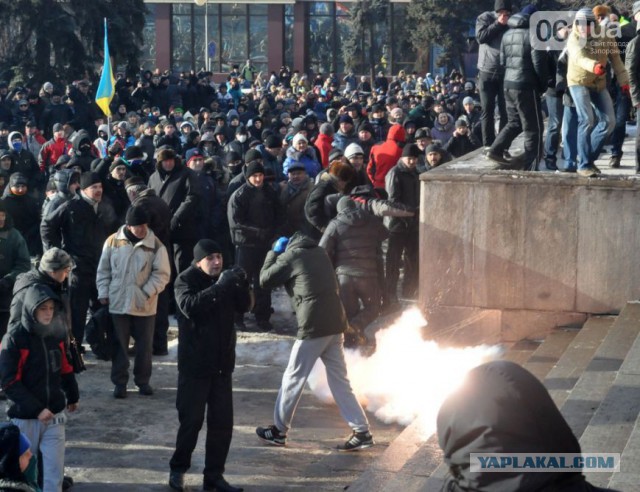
{"points": [[489, 36]]}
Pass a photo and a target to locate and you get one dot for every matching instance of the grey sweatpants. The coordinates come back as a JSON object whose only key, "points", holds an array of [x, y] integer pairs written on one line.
{"points": [[302, 359]]}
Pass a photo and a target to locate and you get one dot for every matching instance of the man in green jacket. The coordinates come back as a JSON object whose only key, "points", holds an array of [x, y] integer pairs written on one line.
{"points": [[304, 268]]}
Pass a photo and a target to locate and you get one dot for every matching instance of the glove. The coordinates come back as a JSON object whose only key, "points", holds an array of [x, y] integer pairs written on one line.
{"points": [[599, 69], [241, 275], [280, 245], [626, 90], [227, 279]]}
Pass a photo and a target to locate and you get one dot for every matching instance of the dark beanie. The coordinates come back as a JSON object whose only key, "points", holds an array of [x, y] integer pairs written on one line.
{"points": [[88, 178], [252, 168], [204, 248], [502, 5], [433, 148], [18, 179], [252, 155], [231, 156], [134, 181], [136, 216], [116, 163], [273, 142], [411, 150]]}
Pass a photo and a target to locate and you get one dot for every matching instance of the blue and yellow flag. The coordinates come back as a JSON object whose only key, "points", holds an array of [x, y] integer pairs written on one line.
{"points": [[106, 89]]}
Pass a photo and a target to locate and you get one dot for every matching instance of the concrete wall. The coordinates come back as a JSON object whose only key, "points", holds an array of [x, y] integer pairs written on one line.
{"points": [[507, 255]]}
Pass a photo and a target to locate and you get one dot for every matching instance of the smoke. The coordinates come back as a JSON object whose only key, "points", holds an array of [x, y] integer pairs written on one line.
{"points": [[407, 377]]}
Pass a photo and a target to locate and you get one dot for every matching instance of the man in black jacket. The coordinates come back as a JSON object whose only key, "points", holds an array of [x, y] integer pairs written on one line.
{"points": [[176, 185], [403, 186], [525, 79], [209, 299], [255, 216], [490, 27], [80, 227]]}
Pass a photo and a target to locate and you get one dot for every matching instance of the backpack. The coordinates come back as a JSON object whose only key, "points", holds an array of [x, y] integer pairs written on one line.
{"points": [[99, 333]]}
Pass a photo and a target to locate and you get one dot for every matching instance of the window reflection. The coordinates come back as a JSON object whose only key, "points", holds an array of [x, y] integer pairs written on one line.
{"points": [[148, 55]]}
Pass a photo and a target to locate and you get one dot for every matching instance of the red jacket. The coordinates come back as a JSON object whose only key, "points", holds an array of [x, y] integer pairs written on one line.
{"points": [[323, 144], [51, 152], [385, 155]]}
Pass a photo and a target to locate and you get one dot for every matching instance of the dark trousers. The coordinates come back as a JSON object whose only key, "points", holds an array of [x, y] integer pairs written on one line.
{"points": [[162, 321], [353, 290], [82, 293], [4, 322], [490, 90], [194, 395], [554, 126], [183, 254], [638, 149], [399, 242], [141, 329], [523, 115], [251, 259], [622, 106]]}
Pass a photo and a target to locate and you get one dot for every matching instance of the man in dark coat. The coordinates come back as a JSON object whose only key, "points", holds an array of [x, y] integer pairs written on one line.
{"points": [[209, 299], [353, 242], [305, 270], [80, 227], [176, 185], [255, 216], [24, 210], [403, 186]]}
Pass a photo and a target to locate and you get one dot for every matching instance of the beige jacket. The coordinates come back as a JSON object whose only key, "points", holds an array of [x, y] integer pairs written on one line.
{"points": [[598, 48]]}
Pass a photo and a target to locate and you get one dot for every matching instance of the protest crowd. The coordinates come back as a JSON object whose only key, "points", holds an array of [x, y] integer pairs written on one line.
{"points": [[197, 198]]}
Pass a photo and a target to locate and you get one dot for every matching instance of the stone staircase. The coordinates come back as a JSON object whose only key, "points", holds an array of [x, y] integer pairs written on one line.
{"points": [[593, 376]]}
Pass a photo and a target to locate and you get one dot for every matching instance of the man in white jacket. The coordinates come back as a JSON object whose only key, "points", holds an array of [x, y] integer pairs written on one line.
{"points": [[134, 268]]}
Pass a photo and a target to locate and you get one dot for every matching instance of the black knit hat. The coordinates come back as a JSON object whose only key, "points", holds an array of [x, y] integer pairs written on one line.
{"points": [[134, 181], [116, 163], [252, 155], [88, 178], [253, 167], [273, 142], [204, 248], [411, 150], [136, 216], [18, 179]]}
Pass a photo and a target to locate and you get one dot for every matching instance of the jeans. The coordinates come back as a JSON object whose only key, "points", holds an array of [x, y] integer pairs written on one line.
{"points": [[304, 355], [554, 123], [622, 107], [141, 328], [570, 138], [491, 89], [596, 121], [49, 440]]}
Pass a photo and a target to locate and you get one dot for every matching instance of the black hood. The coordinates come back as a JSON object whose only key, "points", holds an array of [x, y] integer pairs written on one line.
{"points": [[9, 458], [8, 223], [502, 408], [33, 298], [81, 137], [62, 179]]}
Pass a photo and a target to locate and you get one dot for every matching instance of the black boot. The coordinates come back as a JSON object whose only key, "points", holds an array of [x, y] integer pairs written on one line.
{"points": [[176, 481], [221, 485]]}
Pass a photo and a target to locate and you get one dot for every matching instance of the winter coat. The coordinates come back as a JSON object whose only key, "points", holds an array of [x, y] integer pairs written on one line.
{"points": [[582, 60], [273, 163], [61, 179], [512, 412], [352, 241], [25, 212], [403, 186], [307, 274], [293, 201], [14, 260], [525, 68], [315, 210], [34, 370], [489, 36], [52, 114], [179, 190], [443, 132], [308, 158], [51, 152], [342, 140], [632, 64], [459, 145], [324, 146], [80, 231], [24, 162], [385, 155], [206, 336], [84, 158], [132, 275], [255, 215], [381, 128]]}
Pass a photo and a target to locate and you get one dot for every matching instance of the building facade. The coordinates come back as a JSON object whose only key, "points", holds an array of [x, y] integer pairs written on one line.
{"points": [[305, 35]]}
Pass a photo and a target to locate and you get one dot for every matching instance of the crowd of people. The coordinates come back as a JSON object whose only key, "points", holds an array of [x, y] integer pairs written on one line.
{"points": [[308, 183]]}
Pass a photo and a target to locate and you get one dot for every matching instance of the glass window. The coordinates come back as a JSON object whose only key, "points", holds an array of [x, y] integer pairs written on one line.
{"points": [[234, 9], [320, 8], [181, 41], [199, 37], [258, 9], [148, 55], [288, 35], [180, 8], [404, 55], [234, 41], [258, 41]]}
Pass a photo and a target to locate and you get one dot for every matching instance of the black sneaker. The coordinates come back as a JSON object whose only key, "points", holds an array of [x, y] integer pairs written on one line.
{"points": [[264, 325], [271, 435], [67, 482], [145, 390], [120, 391], [497, 158], [176, 481], [221, 485], [358, 440]]}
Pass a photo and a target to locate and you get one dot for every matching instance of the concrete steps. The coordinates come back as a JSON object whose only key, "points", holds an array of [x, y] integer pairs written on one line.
{"points": [[592, 374]]}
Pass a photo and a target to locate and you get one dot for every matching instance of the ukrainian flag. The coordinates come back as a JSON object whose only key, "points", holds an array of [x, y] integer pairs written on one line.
{"points": [[106, 88]]}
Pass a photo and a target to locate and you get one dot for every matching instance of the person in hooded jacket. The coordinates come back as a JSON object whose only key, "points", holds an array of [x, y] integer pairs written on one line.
{"points": [[443, 127], [385, 155], [39, 381], [18, 466], [83, 150], [240, 142], [353, 242], [53, 149], [324, 143], [301, 151], [14, 260], [24, 210], [176, 185], [67, 183], [346, 133], [113, 172], [101, 143], [512, 412], [25, 162], [293, 195], [462, 141]]}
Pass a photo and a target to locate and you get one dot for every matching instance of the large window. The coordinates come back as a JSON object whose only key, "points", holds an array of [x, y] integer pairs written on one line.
{"points": [[235, 32], [288, 35], [148, 55]]}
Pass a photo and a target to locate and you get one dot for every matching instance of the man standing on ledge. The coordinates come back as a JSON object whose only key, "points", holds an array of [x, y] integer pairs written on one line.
{"points": [[304, 268]]}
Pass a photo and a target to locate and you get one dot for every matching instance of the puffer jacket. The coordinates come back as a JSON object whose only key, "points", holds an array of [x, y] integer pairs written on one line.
{"points": [[598, 48], [308, 158], [132, 275], [352, 241], [632, 64], [254, 215], [293, 200], [525, 68], [14, 260], [206, 337], [62, 179], [308, 276], [489, 36], [385, 155], [34, 370], [403, 186]]}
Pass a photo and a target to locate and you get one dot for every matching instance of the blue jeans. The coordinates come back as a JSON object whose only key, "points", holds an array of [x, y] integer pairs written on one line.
{"points": [[622, 107], [554, 109], [570, 138], [596, 121]]}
